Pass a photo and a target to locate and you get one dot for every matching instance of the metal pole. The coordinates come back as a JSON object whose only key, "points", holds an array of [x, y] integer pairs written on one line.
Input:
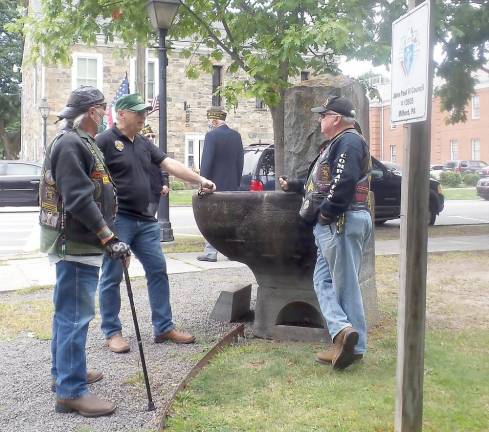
{"points": [[44, 132], [151, 405], [166, 232], [413, 262]]}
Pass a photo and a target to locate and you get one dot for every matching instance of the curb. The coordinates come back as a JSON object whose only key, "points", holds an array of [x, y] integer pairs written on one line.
{"points": [[226, 340]]}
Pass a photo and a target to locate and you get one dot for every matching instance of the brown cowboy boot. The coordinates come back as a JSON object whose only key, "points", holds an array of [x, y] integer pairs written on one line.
{"points": [[348, 338], [87, 405], [118, 344], [175, 336]]}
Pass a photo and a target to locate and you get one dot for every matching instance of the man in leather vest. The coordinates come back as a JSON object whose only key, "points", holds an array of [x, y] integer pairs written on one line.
{"points": [[77, 209], [336, 202]]}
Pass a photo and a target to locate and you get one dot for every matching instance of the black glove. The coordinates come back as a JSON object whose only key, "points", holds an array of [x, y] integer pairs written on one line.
{"points": [[326, 219], [117, 249]]}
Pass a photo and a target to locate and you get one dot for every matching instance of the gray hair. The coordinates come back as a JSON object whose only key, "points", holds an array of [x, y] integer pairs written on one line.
{"points": [[348, 120], [67, 123]]}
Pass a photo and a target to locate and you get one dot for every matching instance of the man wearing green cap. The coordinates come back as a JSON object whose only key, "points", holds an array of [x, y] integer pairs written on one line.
{"points": [[129, 156]]}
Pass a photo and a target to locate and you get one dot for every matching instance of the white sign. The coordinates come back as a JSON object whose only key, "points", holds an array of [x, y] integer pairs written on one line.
{"points": [[410, 54]]}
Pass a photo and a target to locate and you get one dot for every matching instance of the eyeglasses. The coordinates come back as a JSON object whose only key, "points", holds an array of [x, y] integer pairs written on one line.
{"points": [[325, 114], [102, 105]]}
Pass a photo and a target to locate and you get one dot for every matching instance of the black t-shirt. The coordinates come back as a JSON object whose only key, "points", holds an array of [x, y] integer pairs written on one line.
{"points": [[129, 164]]}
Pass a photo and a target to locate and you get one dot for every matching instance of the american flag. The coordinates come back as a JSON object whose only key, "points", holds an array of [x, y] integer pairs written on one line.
{"points": [[155, 104], [121, 91]]}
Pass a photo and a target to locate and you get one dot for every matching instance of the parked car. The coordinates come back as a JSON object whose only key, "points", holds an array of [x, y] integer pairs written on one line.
{"points": [[259, 175], [465, 166], [484, 172], [483, 188], [435, 171], [392, 166], [19, 183]]}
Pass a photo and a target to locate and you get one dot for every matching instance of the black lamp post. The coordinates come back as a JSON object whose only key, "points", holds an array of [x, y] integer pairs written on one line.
{"points": [[44, 111], [161, 14]]}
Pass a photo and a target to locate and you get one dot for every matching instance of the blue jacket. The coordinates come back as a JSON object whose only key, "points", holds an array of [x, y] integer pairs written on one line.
{"points": [[222, 158]]}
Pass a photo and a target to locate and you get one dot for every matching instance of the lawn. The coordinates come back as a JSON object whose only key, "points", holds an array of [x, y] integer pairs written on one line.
{"points": [[182, 197], [270, 386], [462, 193]]}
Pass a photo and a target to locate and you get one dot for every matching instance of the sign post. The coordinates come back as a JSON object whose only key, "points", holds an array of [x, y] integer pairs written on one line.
{"points": [[411, 99]]}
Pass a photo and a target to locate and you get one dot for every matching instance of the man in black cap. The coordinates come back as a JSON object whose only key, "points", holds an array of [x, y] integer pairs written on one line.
{"points": [[129, 156], [77, 208], [336, 202], [222, 161]]}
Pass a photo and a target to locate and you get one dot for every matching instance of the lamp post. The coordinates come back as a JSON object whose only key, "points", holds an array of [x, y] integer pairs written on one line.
{"points": [[44, 111], [161, 14]]}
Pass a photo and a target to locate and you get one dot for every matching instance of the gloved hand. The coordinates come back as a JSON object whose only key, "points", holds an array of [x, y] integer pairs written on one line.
{"points": [[117, 249]]}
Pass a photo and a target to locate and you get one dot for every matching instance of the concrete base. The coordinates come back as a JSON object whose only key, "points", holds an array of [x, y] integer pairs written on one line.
{"points": [[232, 304]]}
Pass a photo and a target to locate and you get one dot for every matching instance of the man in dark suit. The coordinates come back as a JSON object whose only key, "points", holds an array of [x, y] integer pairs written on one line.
{"points": [[222, 161]]}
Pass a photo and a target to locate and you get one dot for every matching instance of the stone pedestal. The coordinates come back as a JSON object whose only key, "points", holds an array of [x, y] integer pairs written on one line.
{"points": [[264, 231]]}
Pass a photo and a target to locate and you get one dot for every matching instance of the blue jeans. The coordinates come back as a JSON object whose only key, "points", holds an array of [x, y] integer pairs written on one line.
{"points": [[337, 271], [144, 239], [74, 308]]}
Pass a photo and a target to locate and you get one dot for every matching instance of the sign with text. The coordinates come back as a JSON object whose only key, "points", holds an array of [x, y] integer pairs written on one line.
{"points": [[409, 76]]}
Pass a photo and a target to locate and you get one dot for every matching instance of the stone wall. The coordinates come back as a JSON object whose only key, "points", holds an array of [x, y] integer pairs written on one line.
{"points": [[253, 124]]}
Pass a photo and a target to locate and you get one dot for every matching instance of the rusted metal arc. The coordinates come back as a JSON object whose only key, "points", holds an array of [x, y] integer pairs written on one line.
{"points": [[222, 343]]}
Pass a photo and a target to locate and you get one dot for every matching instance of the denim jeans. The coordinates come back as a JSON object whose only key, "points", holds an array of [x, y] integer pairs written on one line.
{"points": [[74, 308], [337, 271], [144, 239]]}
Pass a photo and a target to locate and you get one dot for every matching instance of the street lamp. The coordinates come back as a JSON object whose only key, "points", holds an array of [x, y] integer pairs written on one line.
{"points": [[161, 14], [44, 111]]}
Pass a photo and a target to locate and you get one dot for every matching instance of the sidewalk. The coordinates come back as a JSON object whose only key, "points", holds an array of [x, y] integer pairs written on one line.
{"points": [[19, 273]]}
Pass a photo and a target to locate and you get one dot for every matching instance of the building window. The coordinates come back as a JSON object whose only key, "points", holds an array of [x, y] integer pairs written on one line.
{"points": [[453, 149], [476, 110], [393, 153], [216, 83], [259, 104], [476, 148], [304, 75], [194, 145], [151, 77], [151, 80], [87, 70]]}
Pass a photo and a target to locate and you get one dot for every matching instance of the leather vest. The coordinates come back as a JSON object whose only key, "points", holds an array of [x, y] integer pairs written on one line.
{"points": [[53, 215]]}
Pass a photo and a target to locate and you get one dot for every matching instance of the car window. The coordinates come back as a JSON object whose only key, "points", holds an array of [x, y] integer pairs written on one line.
{"points": [[437, 167], [451, 164], [23, 169], [267, 164], [464, 164], [250, 160], [377, 169]]}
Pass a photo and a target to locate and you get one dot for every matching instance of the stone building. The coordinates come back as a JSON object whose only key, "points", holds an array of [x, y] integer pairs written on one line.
{"points": [[103, 67]]}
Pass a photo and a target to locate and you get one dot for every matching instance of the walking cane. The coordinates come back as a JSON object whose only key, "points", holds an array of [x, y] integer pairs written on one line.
{"points": [[151, 405]]}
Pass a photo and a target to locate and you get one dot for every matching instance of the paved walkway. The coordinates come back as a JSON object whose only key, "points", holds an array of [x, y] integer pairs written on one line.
{"points": [[24, 272]]}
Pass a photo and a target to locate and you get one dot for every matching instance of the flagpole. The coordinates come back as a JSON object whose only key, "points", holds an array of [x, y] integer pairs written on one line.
{"points": [[166, 232]]}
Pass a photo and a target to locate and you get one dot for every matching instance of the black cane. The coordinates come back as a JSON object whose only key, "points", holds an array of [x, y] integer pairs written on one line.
{"points": [[151, 405]]}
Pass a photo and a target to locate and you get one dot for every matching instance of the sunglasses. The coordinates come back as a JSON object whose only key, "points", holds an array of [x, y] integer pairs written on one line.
{"points": [[324, 115]]}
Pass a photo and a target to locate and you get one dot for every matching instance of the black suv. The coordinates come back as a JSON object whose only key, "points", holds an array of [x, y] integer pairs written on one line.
{"points": [[19, 183], [259, 175]]}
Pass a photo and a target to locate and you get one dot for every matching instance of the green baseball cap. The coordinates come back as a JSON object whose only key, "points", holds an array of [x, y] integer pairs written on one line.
{"points": [[131, 102]]}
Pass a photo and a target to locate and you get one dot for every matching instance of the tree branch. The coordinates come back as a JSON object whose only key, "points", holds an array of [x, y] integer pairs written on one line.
{"points": [[214, 37]]}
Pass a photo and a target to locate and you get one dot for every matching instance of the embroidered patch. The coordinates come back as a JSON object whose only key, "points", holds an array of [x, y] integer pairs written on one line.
{"points": [[119, 145]]}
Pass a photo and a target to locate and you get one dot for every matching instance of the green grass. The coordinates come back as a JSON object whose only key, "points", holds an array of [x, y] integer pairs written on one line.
{"points": [[33, 316], [182, 197], [184, 244], [267, 386], [462, 193]]}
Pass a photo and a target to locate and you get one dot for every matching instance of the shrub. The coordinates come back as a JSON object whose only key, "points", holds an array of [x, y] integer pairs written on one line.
{"points": [[177, 185], [471, 179], [450, 179]]}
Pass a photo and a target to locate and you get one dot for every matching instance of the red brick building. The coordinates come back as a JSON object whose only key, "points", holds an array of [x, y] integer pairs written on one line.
{"points": [[469, 140]]}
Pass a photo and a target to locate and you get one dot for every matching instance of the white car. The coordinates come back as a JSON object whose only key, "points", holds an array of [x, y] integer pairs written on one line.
{"points": [[435, 171]]}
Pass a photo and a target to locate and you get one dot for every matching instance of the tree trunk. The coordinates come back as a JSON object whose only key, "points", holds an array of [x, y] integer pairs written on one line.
{"points": [[140, 70], [278, 138]]}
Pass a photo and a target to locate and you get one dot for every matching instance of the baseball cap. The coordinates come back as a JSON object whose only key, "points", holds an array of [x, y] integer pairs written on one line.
{"points": [[338, 104], [80, 100], [131, 102]]}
